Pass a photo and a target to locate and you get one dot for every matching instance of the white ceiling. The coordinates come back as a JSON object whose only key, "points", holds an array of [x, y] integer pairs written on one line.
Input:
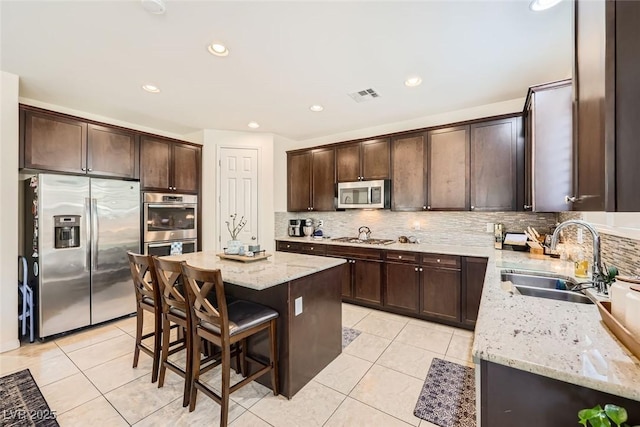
{"points": [[94, 56]]}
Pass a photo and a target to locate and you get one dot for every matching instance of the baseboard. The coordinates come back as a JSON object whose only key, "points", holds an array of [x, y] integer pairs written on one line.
{"points": [[10, 345]]}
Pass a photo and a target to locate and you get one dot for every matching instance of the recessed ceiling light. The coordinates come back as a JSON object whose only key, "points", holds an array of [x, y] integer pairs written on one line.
{"points": [[253, 125], [218, 49], [413, 81], [151, 88], [538, 5], [316, 108], [156, 7]]}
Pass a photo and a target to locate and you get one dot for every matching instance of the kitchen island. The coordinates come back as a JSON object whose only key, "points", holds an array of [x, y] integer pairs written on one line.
{"points": [[305, 291]]}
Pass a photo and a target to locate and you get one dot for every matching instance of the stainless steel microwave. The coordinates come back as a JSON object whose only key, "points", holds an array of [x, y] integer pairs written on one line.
{"points": [[364, 194]]}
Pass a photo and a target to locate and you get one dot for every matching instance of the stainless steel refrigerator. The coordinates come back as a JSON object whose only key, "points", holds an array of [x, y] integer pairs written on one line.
{"points": [[78, 231]]}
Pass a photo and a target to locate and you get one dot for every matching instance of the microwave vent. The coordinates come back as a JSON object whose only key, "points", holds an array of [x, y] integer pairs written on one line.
{"points": [[364, 95]]}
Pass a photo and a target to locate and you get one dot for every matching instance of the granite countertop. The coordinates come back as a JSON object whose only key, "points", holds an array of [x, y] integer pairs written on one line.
{"points": [[280, 268], [556, 339]]}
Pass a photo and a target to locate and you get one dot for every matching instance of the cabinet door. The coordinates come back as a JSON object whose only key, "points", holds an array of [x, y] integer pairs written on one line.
{"points": [[347, 280], [375, 159], [474, 272], [54, 143], [448, 154], [298, 181], [348, 162], [494, 165], [402, 287], [408, 173], [323, 187], [155, 168], [441, 293], [367, 281], [186, 168], [112, 152]]}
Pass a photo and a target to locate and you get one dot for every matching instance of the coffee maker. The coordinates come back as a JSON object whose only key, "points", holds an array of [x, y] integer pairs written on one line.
{"points": [[295, 227]]}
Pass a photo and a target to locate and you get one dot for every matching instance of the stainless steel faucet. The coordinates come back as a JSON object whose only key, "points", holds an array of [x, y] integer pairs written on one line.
{"points": [[597, 271]]}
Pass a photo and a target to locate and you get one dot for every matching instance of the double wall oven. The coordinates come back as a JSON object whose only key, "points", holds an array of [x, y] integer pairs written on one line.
{"points": [[170, 223]]}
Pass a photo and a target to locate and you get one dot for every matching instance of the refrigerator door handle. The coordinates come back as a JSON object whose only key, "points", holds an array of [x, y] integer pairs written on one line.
{"points": [[94, 234], [87, 222]]}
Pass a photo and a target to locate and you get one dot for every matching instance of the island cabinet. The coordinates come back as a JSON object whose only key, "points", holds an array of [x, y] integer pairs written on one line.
{"points": [[56, 142], [362, 279], [311, 180], [409, 172], [169, 165], [365, 160], [606, 97], [494, 164], [448, 168]]}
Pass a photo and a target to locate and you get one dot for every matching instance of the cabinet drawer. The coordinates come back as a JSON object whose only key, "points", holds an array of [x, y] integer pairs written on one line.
{"points": [[312, 249], [288, 246], [409, 257], [443, 261], [354, 252]]}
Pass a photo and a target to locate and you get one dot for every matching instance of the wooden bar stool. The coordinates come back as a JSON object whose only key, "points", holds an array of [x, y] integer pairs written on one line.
{"points": [[147, 299], [174, 310], [226, 326]]}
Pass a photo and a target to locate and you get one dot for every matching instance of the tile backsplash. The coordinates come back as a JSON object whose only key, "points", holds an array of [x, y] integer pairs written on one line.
{"points": [[434, 227], [622, 252]]}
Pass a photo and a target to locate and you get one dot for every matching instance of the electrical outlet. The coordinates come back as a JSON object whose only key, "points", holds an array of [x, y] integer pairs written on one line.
{"points": [[489, 227], [320, 223], [298, 306]]}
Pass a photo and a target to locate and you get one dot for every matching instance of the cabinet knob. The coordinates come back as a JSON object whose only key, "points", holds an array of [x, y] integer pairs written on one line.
{"points": [[473, 207], [90, 170], [288, 246], [399, 256], [416, 268], [84, 169], [424, 208], [428, 208], [570, 199], [311, 248], [420, 268], [438, 259], [528, 206]]}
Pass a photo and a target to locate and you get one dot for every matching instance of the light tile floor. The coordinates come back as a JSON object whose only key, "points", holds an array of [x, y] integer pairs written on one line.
{"points": [[88, 380]]}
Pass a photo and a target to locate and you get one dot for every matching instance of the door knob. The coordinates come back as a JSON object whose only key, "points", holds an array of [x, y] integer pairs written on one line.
{"points": [[254, 238]]}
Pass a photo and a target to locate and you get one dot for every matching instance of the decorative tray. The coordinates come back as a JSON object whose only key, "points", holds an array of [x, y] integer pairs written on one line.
{"points": [[244, 258], [623, 334]]}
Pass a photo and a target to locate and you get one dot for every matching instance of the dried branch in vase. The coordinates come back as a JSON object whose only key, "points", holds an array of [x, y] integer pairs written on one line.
{"points": [[235, 229]]}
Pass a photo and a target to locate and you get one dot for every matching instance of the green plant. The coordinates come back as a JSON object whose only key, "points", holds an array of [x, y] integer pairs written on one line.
{"points": [[598, 417]]}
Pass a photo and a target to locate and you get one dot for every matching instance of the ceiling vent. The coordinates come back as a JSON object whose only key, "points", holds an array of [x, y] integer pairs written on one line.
{"points": [[364, 95]]}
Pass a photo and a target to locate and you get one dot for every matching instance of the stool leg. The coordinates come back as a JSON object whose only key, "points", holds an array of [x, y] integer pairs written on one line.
{"points": [[165, 351], [241, 363], [273, 356], [226, 383], [139, 322], [195, 371], [157, 343], [188, 369]]}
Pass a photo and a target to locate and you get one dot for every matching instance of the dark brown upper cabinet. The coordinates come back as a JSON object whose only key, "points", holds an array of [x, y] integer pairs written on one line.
{"points": [[169, 166], [409, 172], [311, 180], [448, 166], [606, 102], [548, 123], [363, 160], [494, 164], [56, 142]]}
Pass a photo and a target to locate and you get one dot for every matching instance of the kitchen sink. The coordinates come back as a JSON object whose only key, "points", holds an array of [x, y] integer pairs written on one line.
{"points": [[543, 285]]}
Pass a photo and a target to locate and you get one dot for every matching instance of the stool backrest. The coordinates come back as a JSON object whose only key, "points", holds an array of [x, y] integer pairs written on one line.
{"points": [[170, 284], [200, 283], [143, 276]]}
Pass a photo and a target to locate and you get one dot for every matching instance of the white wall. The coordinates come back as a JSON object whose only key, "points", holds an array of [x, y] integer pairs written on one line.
{"points": [[212, 141], [282, 144], [8, 215]]}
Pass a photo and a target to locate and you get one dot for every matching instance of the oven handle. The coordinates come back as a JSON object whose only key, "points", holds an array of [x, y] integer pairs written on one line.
{"points": [[172, 205], [158, 245]]}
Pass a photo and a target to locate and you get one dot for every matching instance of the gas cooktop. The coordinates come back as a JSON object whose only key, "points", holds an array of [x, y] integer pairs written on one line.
{"points": [[368, 241]]}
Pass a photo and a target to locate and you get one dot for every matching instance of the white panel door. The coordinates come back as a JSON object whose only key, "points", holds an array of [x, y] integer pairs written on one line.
{"points": [[238, 193]]}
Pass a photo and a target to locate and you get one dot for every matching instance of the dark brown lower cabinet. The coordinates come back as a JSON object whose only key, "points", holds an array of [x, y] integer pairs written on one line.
{"points": [[367, 281], [474, 270], [402, 288], [441, 289], [511, 397]]}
